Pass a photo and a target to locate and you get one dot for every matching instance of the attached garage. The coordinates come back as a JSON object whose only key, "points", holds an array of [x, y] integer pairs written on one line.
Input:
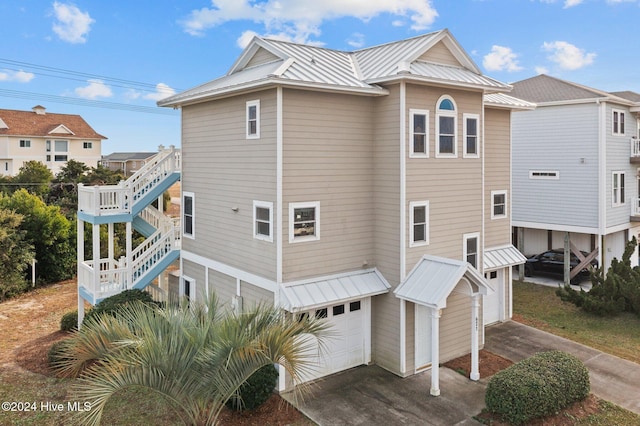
{"points": [[344, 301]]}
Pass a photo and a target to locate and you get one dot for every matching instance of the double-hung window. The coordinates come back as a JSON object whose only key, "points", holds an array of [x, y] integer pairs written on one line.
{"points": [[498, 204], [60, 148], [25, 143], [304, 222], [471, 135], [617, 122], [87, 145], [471, 248], [188, 214], [446, 124], [419, 223], [262, 220], [253, 119], [419, 133], [617, 189]]}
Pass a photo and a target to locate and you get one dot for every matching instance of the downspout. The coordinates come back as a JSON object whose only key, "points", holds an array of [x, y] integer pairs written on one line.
{"points": [[403, 223], [602, 178]]}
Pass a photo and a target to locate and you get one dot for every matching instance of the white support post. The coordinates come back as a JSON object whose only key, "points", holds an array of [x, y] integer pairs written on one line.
{"points": [[129, 249], [475, 306], [80, 258], [96, 259], [435, 351], [111, 244]]}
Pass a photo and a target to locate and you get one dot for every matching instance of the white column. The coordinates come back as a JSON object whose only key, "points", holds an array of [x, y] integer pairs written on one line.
{"points": [[96, 259], [111, 243], [80, 252], [129, 249], [475, 305], [435, 351]]}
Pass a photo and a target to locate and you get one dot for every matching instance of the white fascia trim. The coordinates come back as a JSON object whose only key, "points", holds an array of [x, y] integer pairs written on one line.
{"points": [[555, 227], [403, 181], [439, 82], [248, 277]]}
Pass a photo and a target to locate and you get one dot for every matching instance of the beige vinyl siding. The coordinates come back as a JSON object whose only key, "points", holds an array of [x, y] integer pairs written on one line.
{"points": [[225, 170], [385, 336], [253, 295], [262, 56], [455, 324], [453, 186], [195, 272], [328, 159], [411, 338], [497, 149], [224, 286], [440, 54]]}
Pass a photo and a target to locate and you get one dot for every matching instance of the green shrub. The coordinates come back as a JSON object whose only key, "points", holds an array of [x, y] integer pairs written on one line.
{"points": [[537, 386], [111, 304], [256, 390], [69, 321], [54, 353]]}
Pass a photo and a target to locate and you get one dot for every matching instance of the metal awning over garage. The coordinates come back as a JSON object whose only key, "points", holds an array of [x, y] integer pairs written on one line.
{"points": [[434, 278], [322, 291], [502, 257]]}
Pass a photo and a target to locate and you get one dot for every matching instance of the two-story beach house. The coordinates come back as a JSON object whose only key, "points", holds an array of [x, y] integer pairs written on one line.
{"points": [[50, 138], [370, 188], [576, 169]]}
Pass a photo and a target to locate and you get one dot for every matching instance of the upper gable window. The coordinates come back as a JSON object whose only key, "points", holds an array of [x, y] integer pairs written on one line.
{"points": [[25, 143], [446, 124], [253, 119], [618, 122], [419, 133], [471, 135]]}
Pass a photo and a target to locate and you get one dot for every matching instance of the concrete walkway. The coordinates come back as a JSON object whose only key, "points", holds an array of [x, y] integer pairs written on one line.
{"points": [[613, 379], [373, 396]]}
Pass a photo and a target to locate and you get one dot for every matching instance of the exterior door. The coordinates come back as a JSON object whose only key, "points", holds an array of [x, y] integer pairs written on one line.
{"points": [[422, 337], [491, 306]]}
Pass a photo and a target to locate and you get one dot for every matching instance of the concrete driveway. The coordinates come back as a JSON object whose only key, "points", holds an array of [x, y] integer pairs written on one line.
{"points": [[369, 395]]}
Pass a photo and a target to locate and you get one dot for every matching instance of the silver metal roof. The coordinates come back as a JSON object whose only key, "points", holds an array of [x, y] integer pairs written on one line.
{"points": [[328, 290], [434, 278], [502, 257], [502, 100]]}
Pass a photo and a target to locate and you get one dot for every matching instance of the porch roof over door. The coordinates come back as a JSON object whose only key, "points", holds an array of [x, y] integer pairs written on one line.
{"points": [[434, 278]]}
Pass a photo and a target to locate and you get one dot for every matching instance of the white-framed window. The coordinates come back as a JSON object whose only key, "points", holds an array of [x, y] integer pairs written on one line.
{"points": [[544, 174], [617, 189], [188, 215], [419, 133], [25, 143], [446, 125], [61, 146], [263, 220], [87, 145], [419, 223], [48, 146], [253, 119], [60, 157], [617, 122], [188, 289], [304, 221], [498, 204], [471, 248], [471, 135]]}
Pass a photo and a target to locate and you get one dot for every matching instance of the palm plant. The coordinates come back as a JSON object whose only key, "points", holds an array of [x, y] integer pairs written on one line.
{"points": [[196, 357]]}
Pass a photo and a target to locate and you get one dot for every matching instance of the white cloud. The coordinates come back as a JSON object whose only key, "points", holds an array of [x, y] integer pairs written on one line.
{"points": [[245, 38], [162, 91], [298, 20], [542, 70], [356, 40], [71, 24], [568, 56], [19, 76], [95, 89], [571, 3], [501, 59]]}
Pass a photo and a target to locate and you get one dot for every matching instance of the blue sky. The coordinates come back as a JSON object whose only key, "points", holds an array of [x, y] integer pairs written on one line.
{"points": [[109, 61]]}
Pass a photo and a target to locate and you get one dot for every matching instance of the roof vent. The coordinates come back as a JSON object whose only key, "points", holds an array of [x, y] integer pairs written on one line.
{"points": [[39, 109], [404, 67]]}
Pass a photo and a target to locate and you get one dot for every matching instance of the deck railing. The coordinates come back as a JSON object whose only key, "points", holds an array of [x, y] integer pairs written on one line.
{"points": [[635, 207], [635, 148]]}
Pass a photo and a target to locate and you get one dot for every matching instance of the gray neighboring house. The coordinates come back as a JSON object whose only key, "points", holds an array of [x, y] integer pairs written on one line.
{"points": [[126, 162], [576, 168]]}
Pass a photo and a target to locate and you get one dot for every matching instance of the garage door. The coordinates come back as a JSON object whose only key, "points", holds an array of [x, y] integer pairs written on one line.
{"points": [[491, 303], [346, 346]]}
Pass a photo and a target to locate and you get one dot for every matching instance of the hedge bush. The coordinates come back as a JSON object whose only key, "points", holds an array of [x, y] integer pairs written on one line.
{"points": [[256, 390], [111, 304], [54, 353], [69, 321], [537, 386]]}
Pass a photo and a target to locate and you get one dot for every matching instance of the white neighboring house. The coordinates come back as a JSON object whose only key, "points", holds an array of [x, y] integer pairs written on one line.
{"points": [[126, 162], [576, 168], [50, 138]]}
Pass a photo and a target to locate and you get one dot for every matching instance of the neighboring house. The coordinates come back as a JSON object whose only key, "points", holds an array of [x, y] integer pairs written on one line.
{"points": [[576, 167], [126, 162], [52, 139], [370, 188]]}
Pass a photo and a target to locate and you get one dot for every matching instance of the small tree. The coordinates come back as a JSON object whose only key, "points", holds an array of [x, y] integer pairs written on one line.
{"points": [[102, 176], [35, 177], [616, 292], [15, 255]]}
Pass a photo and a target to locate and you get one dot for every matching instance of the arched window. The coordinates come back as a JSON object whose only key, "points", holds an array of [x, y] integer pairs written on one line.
{"points": [[446, 126]]}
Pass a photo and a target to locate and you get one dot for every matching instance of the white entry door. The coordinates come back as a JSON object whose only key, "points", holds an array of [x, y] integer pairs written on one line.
{"points": [[491, 304], [422, 337]]}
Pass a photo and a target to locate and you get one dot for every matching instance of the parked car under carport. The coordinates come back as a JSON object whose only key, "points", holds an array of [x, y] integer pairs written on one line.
{"points": [[551, 262]]}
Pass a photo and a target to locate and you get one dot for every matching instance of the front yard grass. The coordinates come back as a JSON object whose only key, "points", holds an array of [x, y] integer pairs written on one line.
{"points": [[539, 307]]}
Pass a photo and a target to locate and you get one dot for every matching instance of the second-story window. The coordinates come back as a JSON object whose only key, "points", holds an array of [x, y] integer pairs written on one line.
{"points": [[617, 189], [471, 138], [87, 145], [253, 119], [419, 133], [618, 122], [446, 123], [25, 143], [419, 223], [188, 214], [262, 220], [498, 204], [304, 222], [471, 250]]}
